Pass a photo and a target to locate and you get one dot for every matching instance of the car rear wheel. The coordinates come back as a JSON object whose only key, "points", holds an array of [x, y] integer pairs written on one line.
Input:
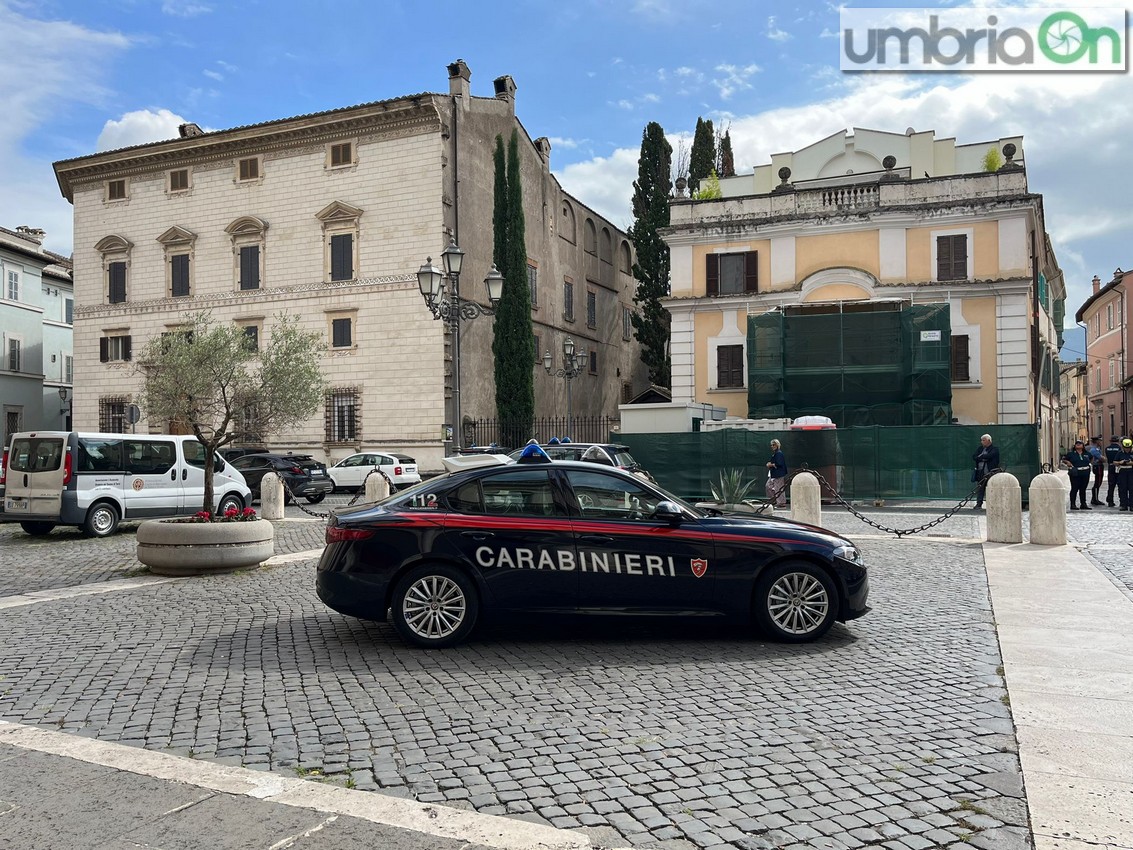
{"points": [[315, 498], [37, 529], [102, 520], [434, 606], [795, 602]]}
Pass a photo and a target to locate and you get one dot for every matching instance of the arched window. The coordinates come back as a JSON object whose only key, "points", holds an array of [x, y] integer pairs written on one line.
{"points": [[606, 247], [566, 224], [247, 234], [115, 251], [625, 258]]}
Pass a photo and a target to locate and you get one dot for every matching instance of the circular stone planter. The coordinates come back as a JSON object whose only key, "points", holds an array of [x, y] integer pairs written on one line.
{"points": [[172, 548]]}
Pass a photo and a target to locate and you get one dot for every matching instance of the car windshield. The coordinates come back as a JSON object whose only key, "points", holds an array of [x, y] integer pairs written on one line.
{"points": [[624, 458]]}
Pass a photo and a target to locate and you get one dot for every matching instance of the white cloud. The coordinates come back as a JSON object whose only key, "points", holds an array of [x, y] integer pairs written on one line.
{"points": [[604, 184], [734, 78], [623, 104], [184, 8], [138, 128], [566, 144], [649, 97], [775, 33], [213, 75]]}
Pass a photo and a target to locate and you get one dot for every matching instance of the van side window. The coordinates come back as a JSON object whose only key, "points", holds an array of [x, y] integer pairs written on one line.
{"points": [[194, 454], [100, 455], [148, 457]]}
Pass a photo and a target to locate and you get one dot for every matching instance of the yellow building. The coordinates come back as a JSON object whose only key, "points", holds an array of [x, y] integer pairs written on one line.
{"points": [[767, 279]]}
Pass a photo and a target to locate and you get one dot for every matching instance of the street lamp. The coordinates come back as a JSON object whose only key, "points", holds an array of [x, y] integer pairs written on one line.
{"points": [[573, 364], [453, 309]]}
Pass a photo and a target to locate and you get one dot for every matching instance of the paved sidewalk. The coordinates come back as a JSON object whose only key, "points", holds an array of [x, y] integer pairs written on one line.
{"points": [[65, 792], [1066, 634]]}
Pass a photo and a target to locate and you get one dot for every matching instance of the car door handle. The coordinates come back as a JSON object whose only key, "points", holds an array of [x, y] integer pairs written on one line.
{"points": [[477, 535], [184, 474], [173, 475], [595, 538]]}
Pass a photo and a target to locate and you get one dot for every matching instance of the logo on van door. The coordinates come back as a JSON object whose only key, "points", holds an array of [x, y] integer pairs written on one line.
{"points": [[138, 484]]}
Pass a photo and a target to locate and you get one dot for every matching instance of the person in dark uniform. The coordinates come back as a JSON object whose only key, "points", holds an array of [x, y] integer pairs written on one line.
{"points": [[1094, 450], [1124, 466], [1112, 451], [1080, 465], [987, 459]]}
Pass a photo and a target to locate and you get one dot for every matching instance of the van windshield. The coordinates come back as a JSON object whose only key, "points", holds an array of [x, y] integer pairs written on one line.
{"points": [[36, 454]]}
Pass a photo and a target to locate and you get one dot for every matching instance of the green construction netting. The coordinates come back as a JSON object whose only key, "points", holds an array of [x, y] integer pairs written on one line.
{"points": [[859, 364], [904, 462]]}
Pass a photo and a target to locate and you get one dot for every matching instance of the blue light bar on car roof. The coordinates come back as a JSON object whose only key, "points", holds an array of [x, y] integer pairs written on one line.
{"points": [[534, 454]]}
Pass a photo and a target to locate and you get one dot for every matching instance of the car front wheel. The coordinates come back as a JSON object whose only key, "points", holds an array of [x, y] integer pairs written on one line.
{"points": [[795, 602], [230, 501], [434, 606], [101, 521]]}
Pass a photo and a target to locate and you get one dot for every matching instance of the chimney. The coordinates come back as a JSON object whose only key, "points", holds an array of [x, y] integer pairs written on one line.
{"points": [[543, 145], [505, 90], [189, 131], [1097, 284], [32, 234], [458, 85]]}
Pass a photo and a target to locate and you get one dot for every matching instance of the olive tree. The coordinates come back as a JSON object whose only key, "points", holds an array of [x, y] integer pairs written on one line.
{"points": [[213, 379]]}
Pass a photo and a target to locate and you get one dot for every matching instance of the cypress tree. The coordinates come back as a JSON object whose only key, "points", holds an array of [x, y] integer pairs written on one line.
{"points": [[499, 210], [703, 157], [727, 161], [651, 270], [513, 341]]}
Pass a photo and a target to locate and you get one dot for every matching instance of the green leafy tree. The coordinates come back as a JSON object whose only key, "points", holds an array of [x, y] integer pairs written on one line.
{"points": [[206, 377], [651, 269], [993, 161], [703, 157], [709, 189], [727, 167], [513, 339]]}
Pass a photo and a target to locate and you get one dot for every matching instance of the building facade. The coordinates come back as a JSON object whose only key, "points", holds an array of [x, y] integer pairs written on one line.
{"points": [[784, 284], [1073, 420], [35, 320], [329, 216], [1106, 317]]}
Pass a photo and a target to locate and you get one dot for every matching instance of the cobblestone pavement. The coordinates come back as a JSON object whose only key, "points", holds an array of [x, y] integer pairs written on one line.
{"points": [[891, 732]]}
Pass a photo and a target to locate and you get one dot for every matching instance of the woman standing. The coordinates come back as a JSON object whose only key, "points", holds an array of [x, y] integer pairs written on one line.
{"points": [[1078, 461], [776, 486]]}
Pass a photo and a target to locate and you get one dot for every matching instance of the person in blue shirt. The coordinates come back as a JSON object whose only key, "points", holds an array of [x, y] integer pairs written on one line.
{"points": [[1079, 463], [777, 476], [1112, 453], [1094, 450]]}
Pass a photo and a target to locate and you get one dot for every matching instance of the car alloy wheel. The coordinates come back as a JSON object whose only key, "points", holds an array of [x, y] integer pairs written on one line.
{"points": [[434, 606], [796, 602]]}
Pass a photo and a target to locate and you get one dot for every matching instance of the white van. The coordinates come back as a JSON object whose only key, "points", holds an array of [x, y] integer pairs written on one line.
{"points": [[95, 481]]}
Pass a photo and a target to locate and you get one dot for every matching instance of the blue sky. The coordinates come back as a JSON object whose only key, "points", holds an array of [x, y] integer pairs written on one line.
{"points": [[77, 77]]}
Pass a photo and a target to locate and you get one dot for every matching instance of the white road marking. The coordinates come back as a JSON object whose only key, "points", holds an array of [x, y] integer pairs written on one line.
{"points": [[430, 819], [54, 595]]}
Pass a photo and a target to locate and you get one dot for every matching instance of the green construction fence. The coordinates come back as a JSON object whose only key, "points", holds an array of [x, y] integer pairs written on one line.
{"points": [[926, 462]]}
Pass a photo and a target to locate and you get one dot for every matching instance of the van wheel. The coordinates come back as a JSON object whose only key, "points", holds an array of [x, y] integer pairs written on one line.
{"points": [[102, 520], [228, 502], [37, 529]]}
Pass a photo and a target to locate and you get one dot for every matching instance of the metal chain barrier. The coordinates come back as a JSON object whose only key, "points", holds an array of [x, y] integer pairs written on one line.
{"points": [[357, 496], [900, 532]]}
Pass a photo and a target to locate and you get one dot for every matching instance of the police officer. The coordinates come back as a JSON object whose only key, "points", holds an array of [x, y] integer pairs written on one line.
{"points": [[1077, 461], [1124, 466], [1094, 450], [1111, 454]]}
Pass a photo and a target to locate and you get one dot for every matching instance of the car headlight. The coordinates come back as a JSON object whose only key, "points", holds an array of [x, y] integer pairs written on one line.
{"points": [[850, 553]]}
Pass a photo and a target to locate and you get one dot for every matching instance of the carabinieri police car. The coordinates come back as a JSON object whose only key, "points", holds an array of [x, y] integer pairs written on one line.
{"points": [[567, 537]]}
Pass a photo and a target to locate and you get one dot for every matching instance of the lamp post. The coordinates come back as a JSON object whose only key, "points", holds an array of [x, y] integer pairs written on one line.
{"points": [[573, 364], [453, 309]]}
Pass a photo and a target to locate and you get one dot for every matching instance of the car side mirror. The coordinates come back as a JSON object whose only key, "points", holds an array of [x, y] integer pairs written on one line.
{"points": [[669, 511]]}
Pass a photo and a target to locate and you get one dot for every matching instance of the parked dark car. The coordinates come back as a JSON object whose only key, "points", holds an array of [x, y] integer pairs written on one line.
{"points": [[302, 475], [569, 538], [233, 452]]}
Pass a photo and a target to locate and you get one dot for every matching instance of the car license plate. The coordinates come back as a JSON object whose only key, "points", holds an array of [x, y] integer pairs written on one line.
{"points": [[317, 473], [15, 504]]}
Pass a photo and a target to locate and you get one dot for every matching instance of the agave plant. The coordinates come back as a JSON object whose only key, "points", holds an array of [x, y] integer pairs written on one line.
{"points": [[732, 488]]}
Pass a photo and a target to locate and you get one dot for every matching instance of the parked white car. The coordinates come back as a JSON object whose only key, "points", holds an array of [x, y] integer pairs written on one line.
{"points": [[350, 472]]}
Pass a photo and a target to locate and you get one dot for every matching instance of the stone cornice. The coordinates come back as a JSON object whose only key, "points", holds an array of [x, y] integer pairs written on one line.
{"points": [[249, 297], [418, 114]]}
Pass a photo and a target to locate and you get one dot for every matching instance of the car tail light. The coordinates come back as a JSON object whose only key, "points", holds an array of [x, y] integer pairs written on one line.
{"points": [[342, 534], [397, 470], [67, 469], [4, 467], [295, 470]]}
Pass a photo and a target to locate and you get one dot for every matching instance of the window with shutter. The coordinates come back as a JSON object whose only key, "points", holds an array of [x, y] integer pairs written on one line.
{"points": [[341, 154], [960, 359], [568, 301], [117, 275], [591, 309], [250, 267], [249, 169], [952, 257], [730, 366], [732, 274], [342, 256], [341, 333], [179, 275]]}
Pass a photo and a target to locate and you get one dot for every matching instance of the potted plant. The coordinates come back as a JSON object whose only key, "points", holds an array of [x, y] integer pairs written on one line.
{"points": [[732, 492], [210, 379]]}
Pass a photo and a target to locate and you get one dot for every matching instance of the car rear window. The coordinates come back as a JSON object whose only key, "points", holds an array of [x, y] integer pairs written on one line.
{"points": [[36, 454], [624, 459], [405, 459]]}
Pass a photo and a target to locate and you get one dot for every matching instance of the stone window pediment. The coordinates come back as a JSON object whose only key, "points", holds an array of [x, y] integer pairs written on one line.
{"points": [[338, 212], [113, 244], [177, 236], [247, 225], [840, 279]]}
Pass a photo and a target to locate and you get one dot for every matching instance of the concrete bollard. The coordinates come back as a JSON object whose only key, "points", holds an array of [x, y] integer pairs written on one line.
{"points": [[1048, 510], [271, 496], [377, 487], [1004, 509], [806, 499]]}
